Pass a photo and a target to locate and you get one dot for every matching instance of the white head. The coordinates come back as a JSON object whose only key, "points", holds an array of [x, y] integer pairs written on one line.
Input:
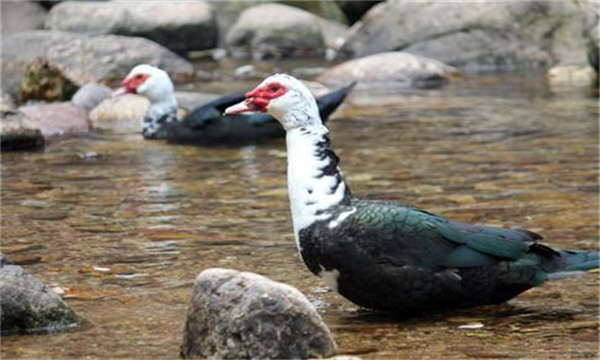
{"points": [[156, 85], [283, 97], [149, 81]]}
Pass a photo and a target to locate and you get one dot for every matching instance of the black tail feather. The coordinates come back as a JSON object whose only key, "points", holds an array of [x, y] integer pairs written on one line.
{"points": [[330, 102]]}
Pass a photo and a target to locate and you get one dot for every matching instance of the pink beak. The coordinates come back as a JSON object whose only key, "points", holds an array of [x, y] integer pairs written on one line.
{"points": [[244, 106], [120, 91]]}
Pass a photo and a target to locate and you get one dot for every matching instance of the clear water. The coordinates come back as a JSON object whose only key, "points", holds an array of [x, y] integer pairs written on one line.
{"points": [[124, 225]]}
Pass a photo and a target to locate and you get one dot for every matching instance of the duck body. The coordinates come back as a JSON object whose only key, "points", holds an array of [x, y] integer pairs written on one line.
{"points": [[390, 256], [206, 124]]}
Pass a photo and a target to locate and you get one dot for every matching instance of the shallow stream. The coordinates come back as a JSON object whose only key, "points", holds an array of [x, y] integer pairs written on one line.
{"points": [[124, 225]]}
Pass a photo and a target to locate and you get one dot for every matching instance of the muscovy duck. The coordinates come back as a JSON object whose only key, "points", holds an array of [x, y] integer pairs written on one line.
{"points": [[389, 256], [206, 125]]}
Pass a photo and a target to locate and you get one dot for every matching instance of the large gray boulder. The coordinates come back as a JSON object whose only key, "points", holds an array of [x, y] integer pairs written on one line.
{"points": [[479, 36], [179, 26], [17, 133], [228, 11], [28, 305], [21, 16], [281, 31], [389, 70], [240, 315], [82, 59]]}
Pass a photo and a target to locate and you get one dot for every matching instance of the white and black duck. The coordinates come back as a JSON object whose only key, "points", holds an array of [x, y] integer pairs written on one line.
{"points": [[206, 124], [386, 255]]}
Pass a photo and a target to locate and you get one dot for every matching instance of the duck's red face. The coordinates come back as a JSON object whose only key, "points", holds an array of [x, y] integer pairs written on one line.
{"points": [[131, 83], [258, 99]]}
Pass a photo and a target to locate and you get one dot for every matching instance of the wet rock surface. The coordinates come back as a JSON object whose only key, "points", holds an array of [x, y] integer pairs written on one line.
{"points": [[27, 305], [181, 27], [240, 315], [82, 59], [482, 36], [17, 133], [391, 69]]}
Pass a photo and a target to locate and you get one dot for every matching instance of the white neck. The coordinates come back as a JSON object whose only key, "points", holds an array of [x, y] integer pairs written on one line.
{"points": [[315, 182], [158, 114]]}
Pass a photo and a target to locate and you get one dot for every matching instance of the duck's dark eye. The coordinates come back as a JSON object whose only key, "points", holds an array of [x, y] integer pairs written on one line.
{"points": [[139, 76], [273, 88]]}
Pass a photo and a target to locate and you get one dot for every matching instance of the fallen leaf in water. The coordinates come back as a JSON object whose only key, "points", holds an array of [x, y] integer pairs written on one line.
{"points": [[59, 290], [93, 269]]}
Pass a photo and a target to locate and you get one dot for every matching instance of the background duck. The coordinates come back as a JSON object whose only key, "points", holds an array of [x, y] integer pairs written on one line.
{"points": [[206, 124]]}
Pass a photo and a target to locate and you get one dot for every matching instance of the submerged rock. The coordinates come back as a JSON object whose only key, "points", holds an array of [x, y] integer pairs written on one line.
{"points": [[235, 315], [17, 133], [28, 305], [391, 69], [481, 36], [179, 26]]}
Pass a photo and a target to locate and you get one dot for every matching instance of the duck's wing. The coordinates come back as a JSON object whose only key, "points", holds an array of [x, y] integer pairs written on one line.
{"points": [[403, 235], [212, 111], [329, 102]]}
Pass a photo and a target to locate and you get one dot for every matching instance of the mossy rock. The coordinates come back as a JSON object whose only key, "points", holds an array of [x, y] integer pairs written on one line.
{"points": [[41, 81]]}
